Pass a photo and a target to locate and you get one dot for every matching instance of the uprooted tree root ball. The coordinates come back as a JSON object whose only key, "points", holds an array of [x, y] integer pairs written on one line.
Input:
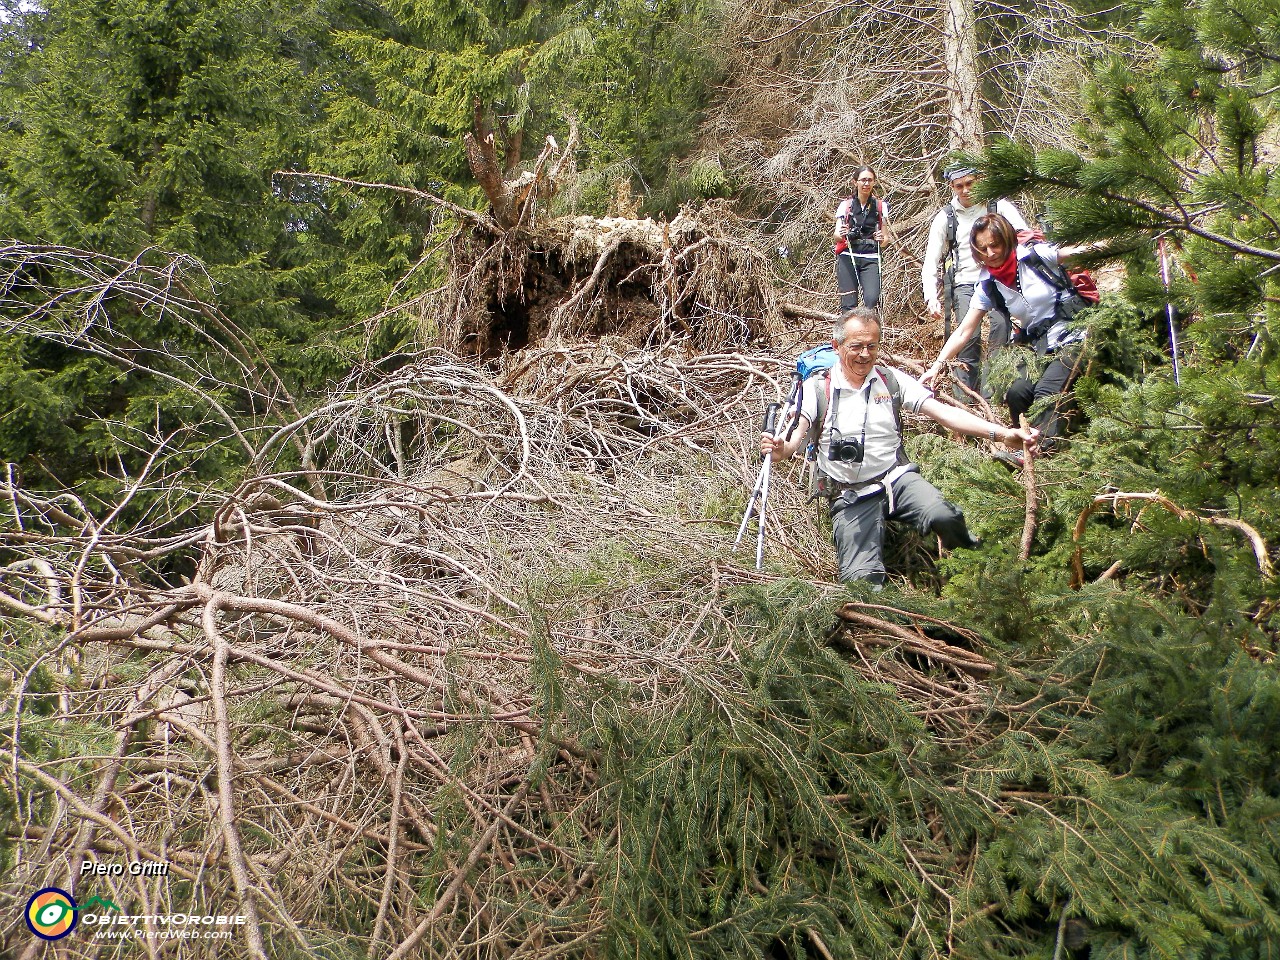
{"points": [[576, 278]]}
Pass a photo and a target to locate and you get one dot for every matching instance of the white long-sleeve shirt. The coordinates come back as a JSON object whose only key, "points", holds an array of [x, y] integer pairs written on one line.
{"points": [[966, 268]]}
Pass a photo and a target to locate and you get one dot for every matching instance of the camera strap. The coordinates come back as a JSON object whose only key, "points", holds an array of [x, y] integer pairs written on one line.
{"points": [[821, 484], [835, 416], [823, 401]]}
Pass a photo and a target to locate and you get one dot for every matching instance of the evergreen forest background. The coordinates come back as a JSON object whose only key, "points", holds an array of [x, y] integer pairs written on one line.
{"points": [[411, 640]]}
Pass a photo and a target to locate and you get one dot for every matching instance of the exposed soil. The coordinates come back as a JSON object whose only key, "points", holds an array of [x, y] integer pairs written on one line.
{"points": [[586, 278]]}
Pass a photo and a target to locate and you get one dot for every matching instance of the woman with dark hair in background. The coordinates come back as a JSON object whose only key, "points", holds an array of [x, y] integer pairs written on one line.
{"points": [[862, 225]]}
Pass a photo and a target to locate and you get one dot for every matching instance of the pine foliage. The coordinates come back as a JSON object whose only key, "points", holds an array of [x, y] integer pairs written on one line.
{"points": [[637, 747], [457, 661]]}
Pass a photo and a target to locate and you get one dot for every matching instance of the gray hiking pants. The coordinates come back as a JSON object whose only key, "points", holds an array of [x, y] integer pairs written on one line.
{"points": [[858, 525], [970, 354]]}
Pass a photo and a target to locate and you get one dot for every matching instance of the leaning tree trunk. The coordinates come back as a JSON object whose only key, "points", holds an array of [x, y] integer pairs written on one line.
{"points": [[512, 195]]}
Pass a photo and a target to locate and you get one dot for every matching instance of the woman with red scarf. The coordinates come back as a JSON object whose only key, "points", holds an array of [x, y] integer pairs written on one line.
{"points": [[1028, 282]]}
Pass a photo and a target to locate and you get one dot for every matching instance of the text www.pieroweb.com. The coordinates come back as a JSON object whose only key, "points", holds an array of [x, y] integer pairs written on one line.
{"points": [[144, 934]]}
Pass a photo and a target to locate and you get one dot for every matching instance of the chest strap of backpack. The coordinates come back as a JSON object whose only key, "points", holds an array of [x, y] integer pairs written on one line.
{"points": [[877, 205], [1054, 277], [903, 465]]}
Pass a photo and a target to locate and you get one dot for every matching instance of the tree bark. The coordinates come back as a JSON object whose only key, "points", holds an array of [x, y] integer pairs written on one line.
{"points": [[482, 157], [960, 42]]}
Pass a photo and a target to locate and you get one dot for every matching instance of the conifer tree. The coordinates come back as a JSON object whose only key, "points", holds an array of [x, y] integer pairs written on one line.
{"points": [[137, 126], [645, 73], [633, 76]]}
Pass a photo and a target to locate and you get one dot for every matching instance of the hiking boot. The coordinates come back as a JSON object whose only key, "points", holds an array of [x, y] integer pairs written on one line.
{"points": [[1013, 459]]}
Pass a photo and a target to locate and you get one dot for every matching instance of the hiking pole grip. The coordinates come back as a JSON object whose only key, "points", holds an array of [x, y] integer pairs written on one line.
{"points": [[771, 418], [794, 404]]}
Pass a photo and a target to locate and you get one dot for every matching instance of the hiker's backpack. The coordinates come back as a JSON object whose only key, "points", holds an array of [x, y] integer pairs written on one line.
{"points": [[813, 368], [1081, 280], [843, 243], [1064, 308], [1084, 284]]}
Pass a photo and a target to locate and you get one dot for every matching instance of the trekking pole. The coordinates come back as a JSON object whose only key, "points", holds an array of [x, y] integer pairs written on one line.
{"points": [[751, 503], [1168, 307], [770, 424], [760, 492], [948, 292]]}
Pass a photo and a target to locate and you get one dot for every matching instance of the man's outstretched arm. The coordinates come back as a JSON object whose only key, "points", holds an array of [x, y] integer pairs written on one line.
{"points": [[971, 425]]}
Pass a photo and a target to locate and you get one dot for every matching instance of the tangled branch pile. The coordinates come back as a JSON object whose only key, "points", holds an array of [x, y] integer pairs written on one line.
{"points": [[400, 692], [518, 277], [465, 666]]}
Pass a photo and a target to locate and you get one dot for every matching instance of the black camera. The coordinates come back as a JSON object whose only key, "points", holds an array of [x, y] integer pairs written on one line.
{"points": [[863, 242], [846, 450]]}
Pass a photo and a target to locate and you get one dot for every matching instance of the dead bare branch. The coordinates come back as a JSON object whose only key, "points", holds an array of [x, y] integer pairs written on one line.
{"points": [[1255, 540]]}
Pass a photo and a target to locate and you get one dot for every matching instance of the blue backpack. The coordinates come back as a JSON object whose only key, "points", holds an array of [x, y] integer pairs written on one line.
{"points": [[815, 360]]}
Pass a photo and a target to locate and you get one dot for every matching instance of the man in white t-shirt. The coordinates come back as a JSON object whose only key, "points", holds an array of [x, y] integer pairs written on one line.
{"points": [[948, 271], [859, 447]]}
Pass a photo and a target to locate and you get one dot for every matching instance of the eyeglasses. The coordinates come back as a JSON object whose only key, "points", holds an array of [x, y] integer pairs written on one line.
{"points": [[857, 348], [866, 179]]}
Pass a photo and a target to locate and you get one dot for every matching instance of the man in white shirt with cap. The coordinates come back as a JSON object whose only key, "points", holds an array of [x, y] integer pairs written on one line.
{"points": [[948, 271]]}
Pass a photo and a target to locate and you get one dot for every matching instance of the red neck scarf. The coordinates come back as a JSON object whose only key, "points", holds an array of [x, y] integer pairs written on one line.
{"points": [[1007, 272]]}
